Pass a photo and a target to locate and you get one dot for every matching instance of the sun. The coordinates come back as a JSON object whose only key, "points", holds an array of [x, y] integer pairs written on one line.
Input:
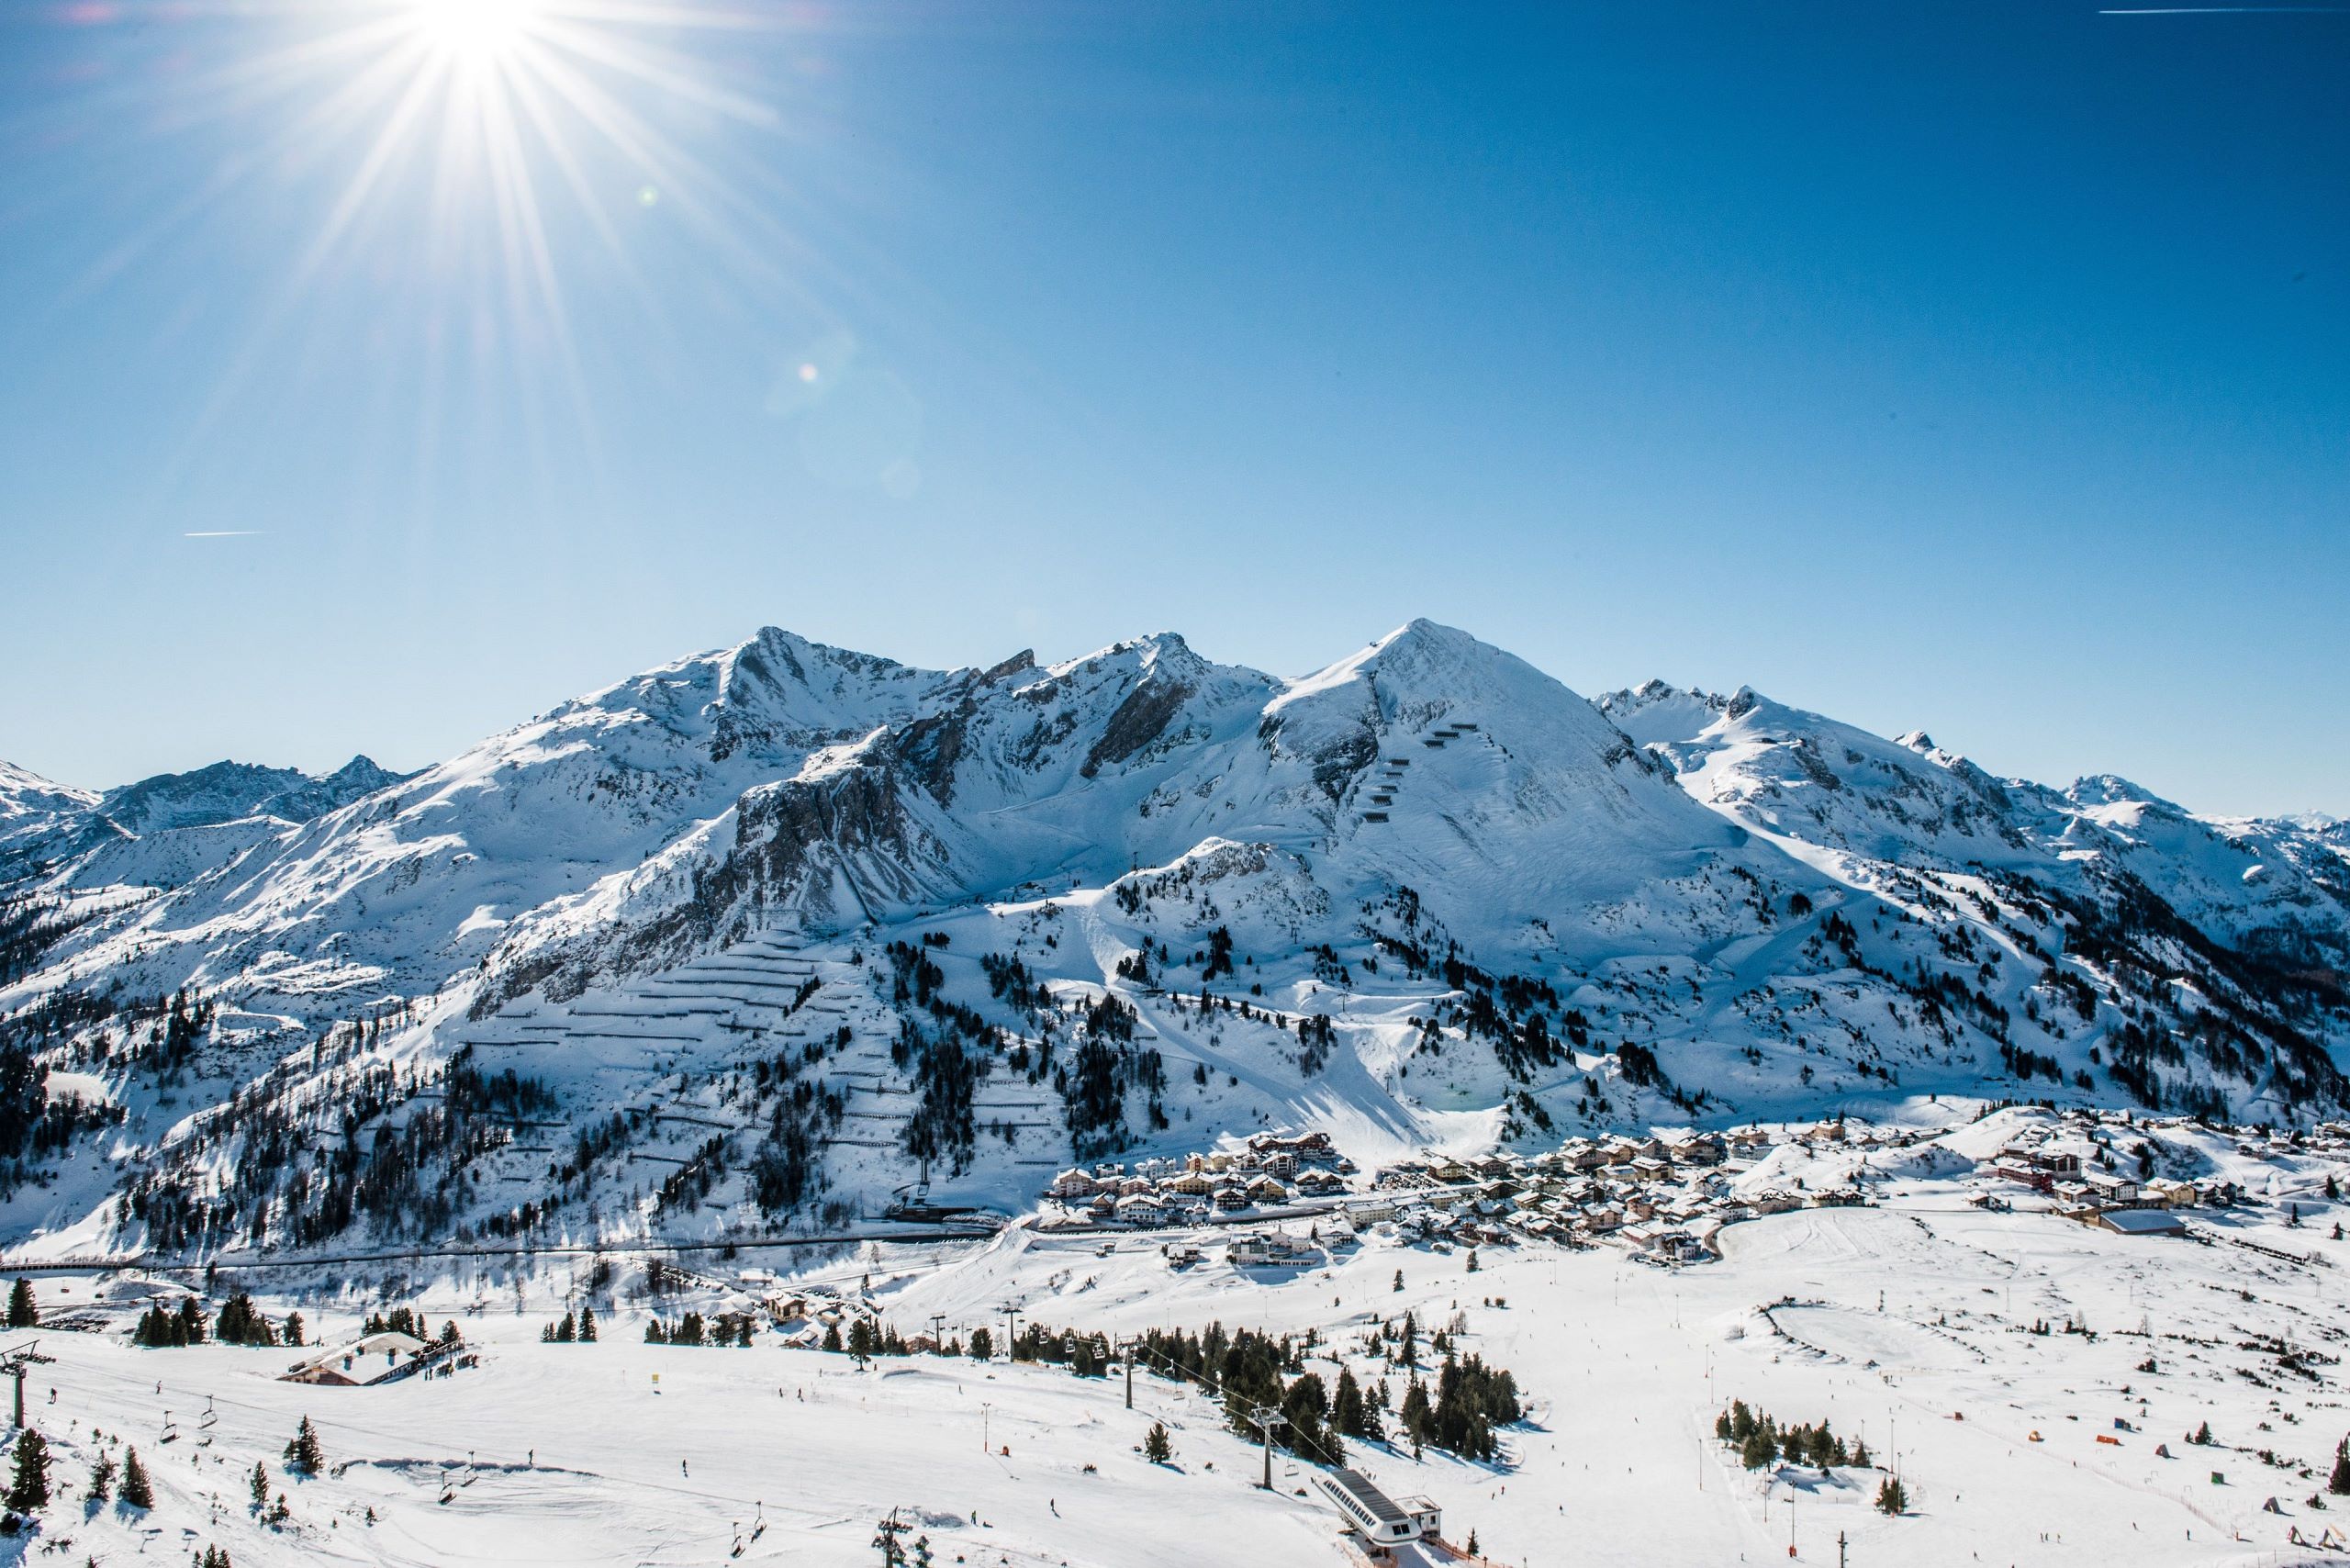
{"points": [[476, 34]]}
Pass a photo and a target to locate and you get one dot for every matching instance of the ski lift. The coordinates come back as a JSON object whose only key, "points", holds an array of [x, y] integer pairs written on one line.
{"points": [[170, 1429]]}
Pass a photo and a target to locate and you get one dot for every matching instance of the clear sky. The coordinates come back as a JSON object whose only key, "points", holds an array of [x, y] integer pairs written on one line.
{"points": [[375, 373]]}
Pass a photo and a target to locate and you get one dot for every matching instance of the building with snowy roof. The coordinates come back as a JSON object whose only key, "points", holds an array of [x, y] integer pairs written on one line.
{"points": [[1373, 1515]]}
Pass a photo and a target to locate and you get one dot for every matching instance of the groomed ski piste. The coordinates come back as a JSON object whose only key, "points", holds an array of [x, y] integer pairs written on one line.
{"points": [[2036, 1383]]}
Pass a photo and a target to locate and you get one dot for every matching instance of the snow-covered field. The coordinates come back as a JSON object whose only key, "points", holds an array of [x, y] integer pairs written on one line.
{"points": [[1907, 1324]]}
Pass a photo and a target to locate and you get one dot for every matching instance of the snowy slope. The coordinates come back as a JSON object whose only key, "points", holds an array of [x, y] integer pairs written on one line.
{"points": [[33, 810], [2033, 1382]]}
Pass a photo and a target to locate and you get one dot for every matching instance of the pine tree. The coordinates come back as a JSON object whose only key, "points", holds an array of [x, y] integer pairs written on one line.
{"points": [[304, 1452], [30, 1489], [1472, 1543], [587, 1325], [1156, 1447], [2339, 1482], [1472, 1260], [1348, 1411], [23, 1311], [1417, 1416], [2202, 1438], [260, 1484], [1399, 1281], [102, 1478], [137, 1491], [1892, 1498], [294, 1329], [982, 1345]]}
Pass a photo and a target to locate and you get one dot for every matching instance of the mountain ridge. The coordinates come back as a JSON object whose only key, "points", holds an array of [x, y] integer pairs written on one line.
{"points": [[1427, 894]]}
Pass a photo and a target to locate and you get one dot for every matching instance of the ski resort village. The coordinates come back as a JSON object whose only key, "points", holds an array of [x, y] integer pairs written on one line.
{"points": [[792, 1107]]}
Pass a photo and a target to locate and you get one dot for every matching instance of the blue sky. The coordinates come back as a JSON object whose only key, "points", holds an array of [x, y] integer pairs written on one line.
{"points": [[1982, 368]]}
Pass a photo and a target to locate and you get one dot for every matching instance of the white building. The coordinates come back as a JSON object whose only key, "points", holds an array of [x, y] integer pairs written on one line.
{"points": [[1373, 1515]]}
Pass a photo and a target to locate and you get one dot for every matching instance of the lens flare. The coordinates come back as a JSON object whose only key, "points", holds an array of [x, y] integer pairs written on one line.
{"points": [[476, 34]]}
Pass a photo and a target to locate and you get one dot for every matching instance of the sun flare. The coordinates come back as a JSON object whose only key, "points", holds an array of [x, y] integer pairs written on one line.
{"points": [[476, 34]]}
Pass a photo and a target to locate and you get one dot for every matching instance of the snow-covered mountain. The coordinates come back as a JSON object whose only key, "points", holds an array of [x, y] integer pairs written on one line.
{"points": [[166, 830], [866, 920], [2277, 888]]}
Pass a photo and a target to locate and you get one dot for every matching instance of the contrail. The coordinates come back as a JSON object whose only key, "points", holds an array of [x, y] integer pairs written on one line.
{"points": [[2229, 11], [225, 533]]}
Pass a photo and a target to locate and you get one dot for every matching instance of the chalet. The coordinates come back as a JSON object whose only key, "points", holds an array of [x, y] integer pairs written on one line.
{"points": [[1072, 1183], [2111, 1186], [1141, 1208], [1265, 1190], [1231, 1196], [1304, 1147], [1271, 1246], [1706, 1148], [1678, 1246], [2045, 1158]]}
